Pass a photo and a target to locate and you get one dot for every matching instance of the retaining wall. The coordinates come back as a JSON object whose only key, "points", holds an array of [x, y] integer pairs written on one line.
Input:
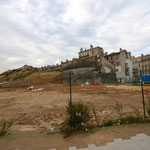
{"points": [[90, 75]]}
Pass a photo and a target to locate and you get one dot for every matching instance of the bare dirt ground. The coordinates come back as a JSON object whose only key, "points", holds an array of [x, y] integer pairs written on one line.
{"points": [[40, 110], [37, 78], [40, 141]]}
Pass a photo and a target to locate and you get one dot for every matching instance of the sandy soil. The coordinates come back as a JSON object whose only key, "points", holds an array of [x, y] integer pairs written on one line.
{"points": [[40, 110], [38, 78], [40, 141]]}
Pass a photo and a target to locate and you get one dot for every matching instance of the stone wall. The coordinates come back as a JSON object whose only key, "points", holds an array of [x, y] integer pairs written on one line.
{"points": [[81, 63], [104, 63], [80, 76]]}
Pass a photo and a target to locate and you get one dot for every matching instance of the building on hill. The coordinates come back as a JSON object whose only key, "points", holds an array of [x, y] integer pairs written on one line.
{"points": [[93, 51], [91, 66], [141, 63], [122, 61], [91, 58]]}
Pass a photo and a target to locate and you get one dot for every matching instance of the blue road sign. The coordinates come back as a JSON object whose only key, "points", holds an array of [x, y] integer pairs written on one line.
{"points": [[145, 78]]}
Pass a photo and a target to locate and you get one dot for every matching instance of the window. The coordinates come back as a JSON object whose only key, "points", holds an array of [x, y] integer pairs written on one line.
{"points": [[126, 65], [116, 64], [109, 58], [116, 56], [136, 65]]}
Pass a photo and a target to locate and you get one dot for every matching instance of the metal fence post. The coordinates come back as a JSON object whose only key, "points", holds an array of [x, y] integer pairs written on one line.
{"points": [[71, 111], [70, 89], [143, 95]]}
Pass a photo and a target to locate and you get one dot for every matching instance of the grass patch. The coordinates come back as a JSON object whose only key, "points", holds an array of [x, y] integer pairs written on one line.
{"points": [[22, 76], [124, 120], [24, 73]]}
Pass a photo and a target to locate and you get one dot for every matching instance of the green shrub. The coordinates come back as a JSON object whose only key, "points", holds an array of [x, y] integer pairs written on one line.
{"points": [[122, 120], [5, 128], [77, 118], [139, 119], [129, 119], [126, 120], [109, 123]]}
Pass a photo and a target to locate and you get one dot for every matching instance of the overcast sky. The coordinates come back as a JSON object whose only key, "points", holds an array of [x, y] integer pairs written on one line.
{"points": [[44, 32]]}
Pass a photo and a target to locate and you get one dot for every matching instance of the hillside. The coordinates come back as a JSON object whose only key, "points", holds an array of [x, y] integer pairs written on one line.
{"points": [[29, 76]]}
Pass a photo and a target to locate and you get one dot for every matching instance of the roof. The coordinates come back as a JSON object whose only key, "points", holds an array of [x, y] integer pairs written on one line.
{"points": [[140, 57], [89, 49], [114, 53]]}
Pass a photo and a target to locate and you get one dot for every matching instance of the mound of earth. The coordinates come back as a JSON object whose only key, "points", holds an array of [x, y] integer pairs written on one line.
{"points": [[24, 78]]}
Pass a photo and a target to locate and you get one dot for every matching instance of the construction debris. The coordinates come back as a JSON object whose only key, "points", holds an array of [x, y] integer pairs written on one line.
{"points": [[31, 88], [147, 92], [96, 84], [85, 84]]}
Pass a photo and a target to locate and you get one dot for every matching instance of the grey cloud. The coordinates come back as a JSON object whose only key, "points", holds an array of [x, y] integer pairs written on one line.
{"points": [[37, 30]]}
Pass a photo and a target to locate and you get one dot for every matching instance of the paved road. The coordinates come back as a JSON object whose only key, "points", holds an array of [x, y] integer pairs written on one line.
{"points": [[138, 142]]}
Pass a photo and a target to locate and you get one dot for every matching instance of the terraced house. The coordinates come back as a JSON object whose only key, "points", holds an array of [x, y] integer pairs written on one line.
{"points": [[122, 61], [125, 67], [141, 63]]}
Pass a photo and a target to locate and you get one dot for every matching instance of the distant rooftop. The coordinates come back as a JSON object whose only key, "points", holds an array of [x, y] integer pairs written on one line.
{"points": [[116, 53], [142, 56]]}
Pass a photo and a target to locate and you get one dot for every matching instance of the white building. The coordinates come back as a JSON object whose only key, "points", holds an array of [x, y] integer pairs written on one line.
{"points": [[122, 61]]}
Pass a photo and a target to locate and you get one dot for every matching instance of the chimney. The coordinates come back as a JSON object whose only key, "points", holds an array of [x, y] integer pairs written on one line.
{"points": [[120, 49], [91, 46], [106, 53], [81, 49]]}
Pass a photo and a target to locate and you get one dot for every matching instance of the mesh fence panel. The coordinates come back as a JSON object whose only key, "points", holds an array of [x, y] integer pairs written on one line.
{"points": [[34, 109], [44, 106]]}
